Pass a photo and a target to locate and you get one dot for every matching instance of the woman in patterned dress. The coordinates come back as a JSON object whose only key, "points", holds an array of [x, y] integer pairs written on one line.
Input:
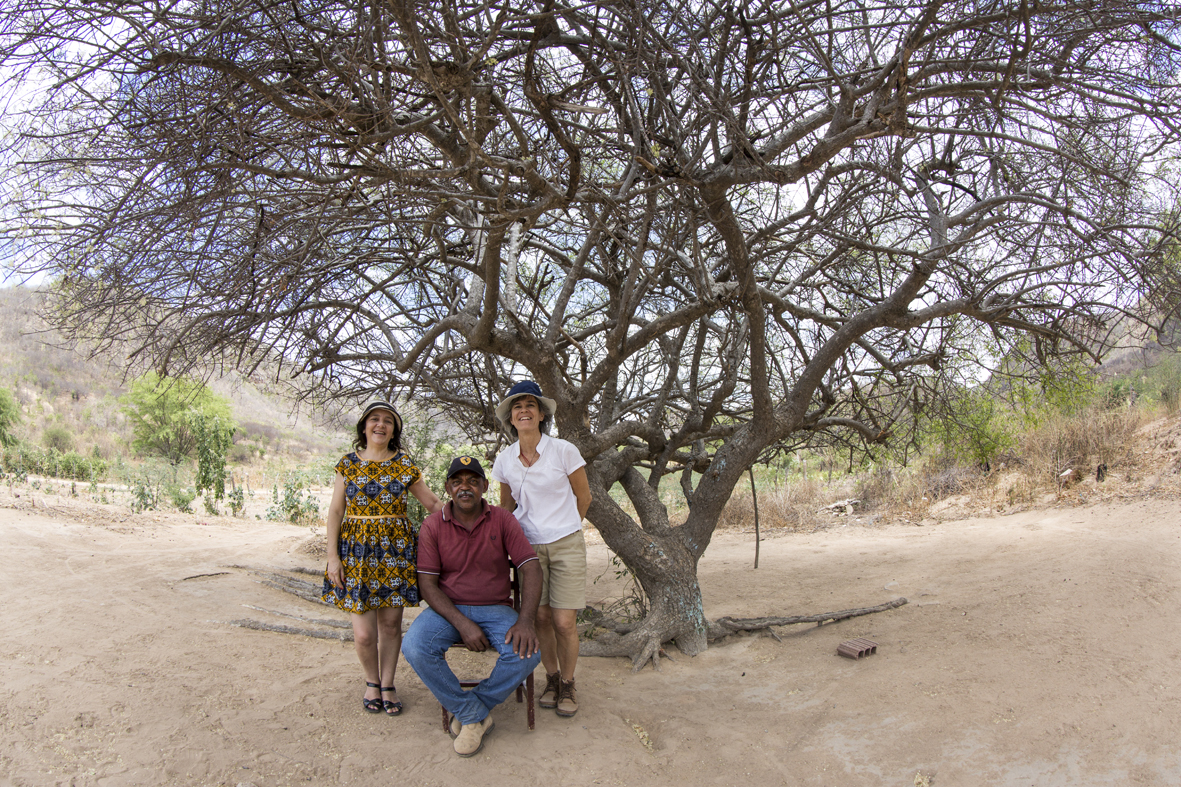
{"points": [[372, 548]]}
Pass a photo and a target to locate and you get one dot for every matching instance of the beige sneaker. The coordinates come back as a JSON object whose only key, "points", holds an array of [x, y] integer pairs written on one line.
{"points": [[471, 737], [567, 699], [454, 727], [553, 687]]}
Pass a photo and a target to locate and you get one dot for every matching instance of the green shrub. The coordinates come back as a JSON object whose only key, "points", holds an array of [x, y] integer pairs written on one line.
{"points": [[144, 496], [25, 459], [431, 452], [10, 416], [1067, 388], [1164, 382], [972, 429], [237, 500], [292, 506], [58, 438], [214, 435], [182, 499]]}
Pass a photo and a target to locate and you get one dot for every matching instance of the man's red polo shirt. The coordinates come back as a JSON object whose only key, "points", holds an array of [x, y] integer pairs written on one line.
{"points": [[473, 566]]}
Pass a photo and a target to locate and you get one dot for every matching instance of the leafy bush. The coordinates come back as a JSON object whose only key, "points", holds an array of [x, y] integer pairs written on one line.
{"points": [[24, 459], [58, 438], [182, 498], [432, 453], [214, 435], [144, 496], [1067, 388], [972, 428], [237, 500]]}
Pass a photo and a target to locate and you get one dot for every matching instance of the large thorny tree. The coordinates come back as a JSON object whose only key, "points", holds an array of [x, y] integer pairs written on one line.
{"points": [[706, 229]]}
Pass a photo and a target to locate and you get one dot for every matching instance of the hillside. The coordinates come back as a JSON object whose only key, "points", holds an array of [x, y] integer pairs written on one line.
{"points": [[61, 387]]}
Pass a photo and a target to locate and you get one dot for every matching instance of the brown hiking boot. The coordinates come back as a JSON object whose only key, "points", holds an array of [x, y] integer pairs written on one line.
{"points": [[553, 687], [567, 699]]}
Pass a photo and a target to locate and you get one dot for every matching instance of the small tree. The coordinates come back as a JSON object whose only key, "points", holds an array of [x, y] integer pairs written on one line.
{"points": [[170, 414]]}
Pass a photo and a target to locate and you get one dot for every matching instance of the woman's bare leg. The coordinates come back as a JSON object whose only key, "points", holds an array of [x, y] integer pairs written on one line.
{"points": [[389, 646], [365, 639]]}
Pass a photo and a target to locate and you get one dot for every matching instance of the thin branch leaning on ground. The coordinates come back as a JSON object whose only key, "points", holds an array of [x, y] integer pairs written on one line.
{"points": [[725, 626]]}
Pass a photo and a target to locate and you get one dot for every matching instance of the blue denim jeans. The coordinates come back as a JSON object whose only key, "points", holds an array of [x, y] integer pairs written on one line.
{"points": [[425, 648]]}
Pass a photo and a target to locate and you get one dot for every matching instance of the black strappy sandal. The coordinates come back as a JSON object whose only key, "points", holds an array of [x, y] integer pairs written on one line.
{"points": [[375, 705], [391, 708]]}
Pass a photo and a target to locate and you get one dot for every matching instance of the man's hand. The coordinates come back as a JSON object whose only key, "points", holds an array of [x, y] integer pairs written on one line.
{"points": [[523, 637], [473, 636]]}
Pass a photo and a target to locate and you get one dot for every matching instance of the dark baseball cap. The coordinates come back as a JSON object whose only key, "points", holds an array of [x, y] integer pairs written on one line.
{"points": [[469, 464]]}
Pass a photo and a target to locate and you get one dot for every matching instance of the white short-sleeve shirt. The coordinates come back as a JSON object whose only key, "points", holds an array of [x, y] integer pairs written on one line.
{"points": [[546, 506]]}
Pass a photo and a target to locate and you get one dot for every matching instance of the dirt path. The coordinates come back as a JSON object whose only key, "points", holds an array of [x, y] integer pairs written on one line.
{"points": [[1038, 649]]}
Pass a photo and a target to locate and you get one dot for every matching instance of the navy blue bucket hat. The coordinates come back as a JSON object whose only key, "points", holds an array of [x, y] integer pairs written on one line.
{"points": [[524, 388]]}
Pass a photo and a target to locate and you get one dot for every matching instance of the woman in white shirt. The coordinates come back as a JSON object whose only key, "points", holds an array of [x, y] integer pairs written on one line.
{"points": [[543, 482]]}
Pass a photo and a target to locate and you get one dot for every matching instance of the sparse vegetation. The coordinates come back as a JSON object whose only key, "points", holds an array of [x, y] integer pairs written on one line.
{"points": [[1010, 450], [61, 417], [292, 505], [1006, 451]]}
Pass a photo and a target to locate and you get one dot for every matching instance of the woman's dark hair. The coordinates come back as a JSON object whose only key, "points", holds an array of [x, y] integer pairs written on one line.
{"points": [[363, 442], [543, 426]]}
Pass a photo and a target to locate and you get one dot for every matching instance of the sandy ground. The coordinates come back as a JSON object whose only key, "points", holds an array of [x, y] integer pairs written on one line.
{"points": [[1039, 648]]}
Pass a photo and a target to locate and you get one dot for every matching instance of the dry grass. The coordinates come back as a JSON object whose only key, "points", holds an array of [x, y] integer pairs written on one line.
{"points": [[1136, 450], [1080, 443], [794, 505]]}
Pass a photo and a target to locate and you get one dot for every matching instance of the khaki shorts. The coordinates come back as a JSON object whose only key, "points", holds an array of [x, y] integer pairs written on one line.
{"points": [[563, 572]]}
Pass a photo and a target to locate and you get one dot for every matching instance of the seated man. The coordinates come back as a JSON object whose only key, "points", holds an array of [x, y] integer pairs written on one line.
{"points": [[463, 574]]}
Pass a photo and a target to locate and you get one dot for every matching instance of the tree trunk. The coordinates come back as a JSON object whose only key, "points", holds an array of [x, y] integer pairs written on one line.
{"points": [[667, 571]]}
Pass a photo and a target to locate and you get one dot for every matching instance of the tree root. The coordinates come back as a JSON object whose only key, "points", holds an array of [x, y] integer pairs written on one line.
{"points": [[594, 618], [607, 637], [308, 591], [614, 639], [608, 643]]}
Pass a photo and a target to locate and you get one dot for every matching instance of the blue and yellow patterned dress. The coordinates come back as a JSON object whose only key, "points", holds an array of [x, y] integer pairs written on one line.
{"points": [[378, 545]]}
